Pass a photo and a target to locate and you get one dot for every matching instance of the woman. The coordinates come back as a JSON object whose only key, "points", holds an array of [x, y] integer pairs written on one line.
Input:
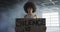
{"points": [[30, 8]]}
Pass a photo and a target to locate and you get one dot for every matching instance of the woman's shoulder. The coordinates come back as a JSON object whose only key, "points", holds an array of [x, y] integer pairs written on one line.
{"points": [[35, 16]]}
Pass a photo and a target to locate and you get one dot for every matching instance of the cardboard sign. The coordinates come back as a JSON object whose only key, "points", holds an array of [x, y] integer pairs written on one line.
{"points": [[30, 25]]}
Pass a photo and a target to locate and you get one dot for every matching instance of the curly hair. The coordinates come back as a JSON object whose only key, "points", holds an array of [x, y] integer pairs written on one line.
{"points": [[29, 5]]}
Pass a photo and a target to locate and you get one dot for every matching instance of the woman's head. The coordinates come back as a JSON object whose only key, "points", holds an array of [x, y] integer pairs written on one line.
{"points": [[29, 7]]}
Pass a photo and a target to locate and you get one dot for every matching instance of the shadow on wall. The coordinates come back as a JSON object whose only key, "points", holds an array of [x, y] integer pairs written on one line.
{"points": [[7, 23]]}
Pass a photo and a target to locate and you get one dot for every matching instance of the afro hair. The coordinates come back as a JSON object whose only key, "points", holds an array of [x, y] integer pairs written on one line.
{"points": [[29, 5]]}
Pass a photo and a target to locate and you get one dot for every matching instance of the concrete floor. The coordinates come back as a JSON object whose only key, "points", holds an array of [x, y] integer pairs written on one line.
{"points": [[53, 29]]}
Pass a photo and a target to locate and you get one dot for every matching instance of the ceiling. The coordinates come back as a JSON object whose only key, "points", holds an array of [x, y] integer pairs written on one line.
{"points": [[7, 3], [47, 2], [4, 3]]}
